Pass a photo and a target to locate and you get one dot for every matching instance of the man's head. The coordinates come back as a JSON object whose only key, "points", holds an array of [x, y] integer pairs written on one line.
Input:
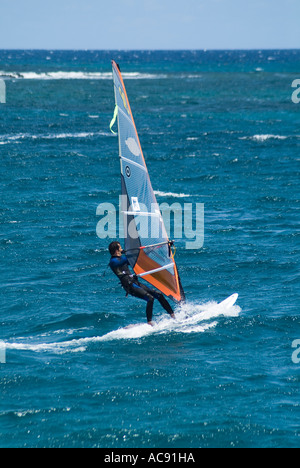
{"points": [[115, 248]]}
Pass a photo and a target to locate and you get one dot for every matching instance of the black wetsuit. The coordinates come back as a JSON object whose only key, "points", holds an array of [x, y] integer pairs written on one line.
{"points": [[132, 286]]}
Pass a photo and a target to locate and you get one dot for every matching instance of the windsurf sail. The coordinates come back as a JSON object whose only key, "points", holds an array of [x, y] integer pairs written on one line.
{"points": [[147, 245]]}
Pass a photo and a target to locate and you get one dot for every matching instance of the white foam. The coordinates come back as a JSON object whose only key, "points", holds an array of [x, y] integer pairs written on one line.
{"points": [[5, 139], [163, 326], [77, 75], [269, 137], [191, 318], [171, 194], [72, 346], [85, 75], [262, 138]]}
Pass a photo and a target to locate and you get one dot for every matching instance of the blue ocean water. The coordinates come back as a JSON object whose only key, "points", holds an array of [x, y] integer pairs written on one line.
{"points": [[216, 127]]}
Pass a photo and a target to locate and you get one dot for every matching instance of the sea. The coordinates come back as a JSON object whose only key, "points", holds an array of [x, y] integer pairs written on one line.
{"points": [[218, 128]]}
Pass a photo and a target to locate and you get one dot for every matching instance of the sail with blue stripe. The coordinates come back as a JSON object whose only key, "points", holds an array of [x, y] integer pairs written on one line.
{"points": [[146, 241]]}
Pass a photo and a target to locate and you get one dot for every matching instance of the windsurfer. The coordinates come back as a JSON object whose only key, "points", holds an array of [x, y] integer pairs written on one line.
{"points": [[120, 266]]}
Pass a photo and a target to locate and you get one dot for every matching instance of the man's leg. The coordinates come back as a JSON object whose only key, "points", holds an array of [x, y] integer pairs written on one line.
{"points": [[142, 293], [163, 301], [161, 298]]}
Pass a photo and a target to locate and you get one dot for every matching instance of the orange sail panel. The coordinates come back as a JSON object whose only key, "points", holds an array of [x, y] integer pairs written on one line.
{"points": [[146, 240]]}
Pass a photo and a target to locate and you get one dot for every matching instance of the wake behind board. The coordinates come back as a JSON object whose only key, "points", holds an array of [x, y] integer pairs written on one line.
{"points": [[190, 318], [226, 304]]}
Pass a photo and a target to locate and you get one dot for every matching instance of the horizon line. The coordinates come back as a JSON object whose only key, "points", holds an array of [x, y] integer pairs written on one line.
{"points": [[152, 50]]}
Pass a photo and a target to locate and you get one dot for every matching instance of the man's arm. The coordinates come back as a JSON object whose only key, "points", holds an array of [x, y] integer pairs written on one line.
{"points": [[116, 262]]}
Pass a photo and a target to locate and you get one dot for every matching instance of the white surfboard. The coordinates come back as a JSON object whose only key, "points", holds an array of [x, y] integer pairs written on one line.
{"points": [[230, 301], [211, 311]]}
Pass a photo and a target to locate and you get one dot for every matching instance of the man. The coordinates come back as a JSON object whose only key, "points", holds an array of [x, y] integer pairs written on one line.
{"points": [[120, 266]]}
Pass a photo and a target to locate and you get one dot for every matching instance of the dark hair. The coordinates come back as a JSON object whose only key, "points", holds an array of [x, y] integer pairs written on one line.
{"points": [[113, 247]]}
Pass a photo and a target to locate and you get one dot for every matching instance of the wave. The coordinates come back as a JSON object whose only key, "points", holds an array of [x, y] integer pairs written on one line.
{"points": [[262, 138], [190, 319], [171, 194], [63, 347], [162, 327], [77, 75], [6, 139], [84, 75]]}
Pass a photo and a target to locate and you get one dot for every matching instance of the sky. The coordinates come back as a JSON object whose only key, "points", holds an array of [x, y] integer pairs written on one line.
{"points": [[149, 24]]}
